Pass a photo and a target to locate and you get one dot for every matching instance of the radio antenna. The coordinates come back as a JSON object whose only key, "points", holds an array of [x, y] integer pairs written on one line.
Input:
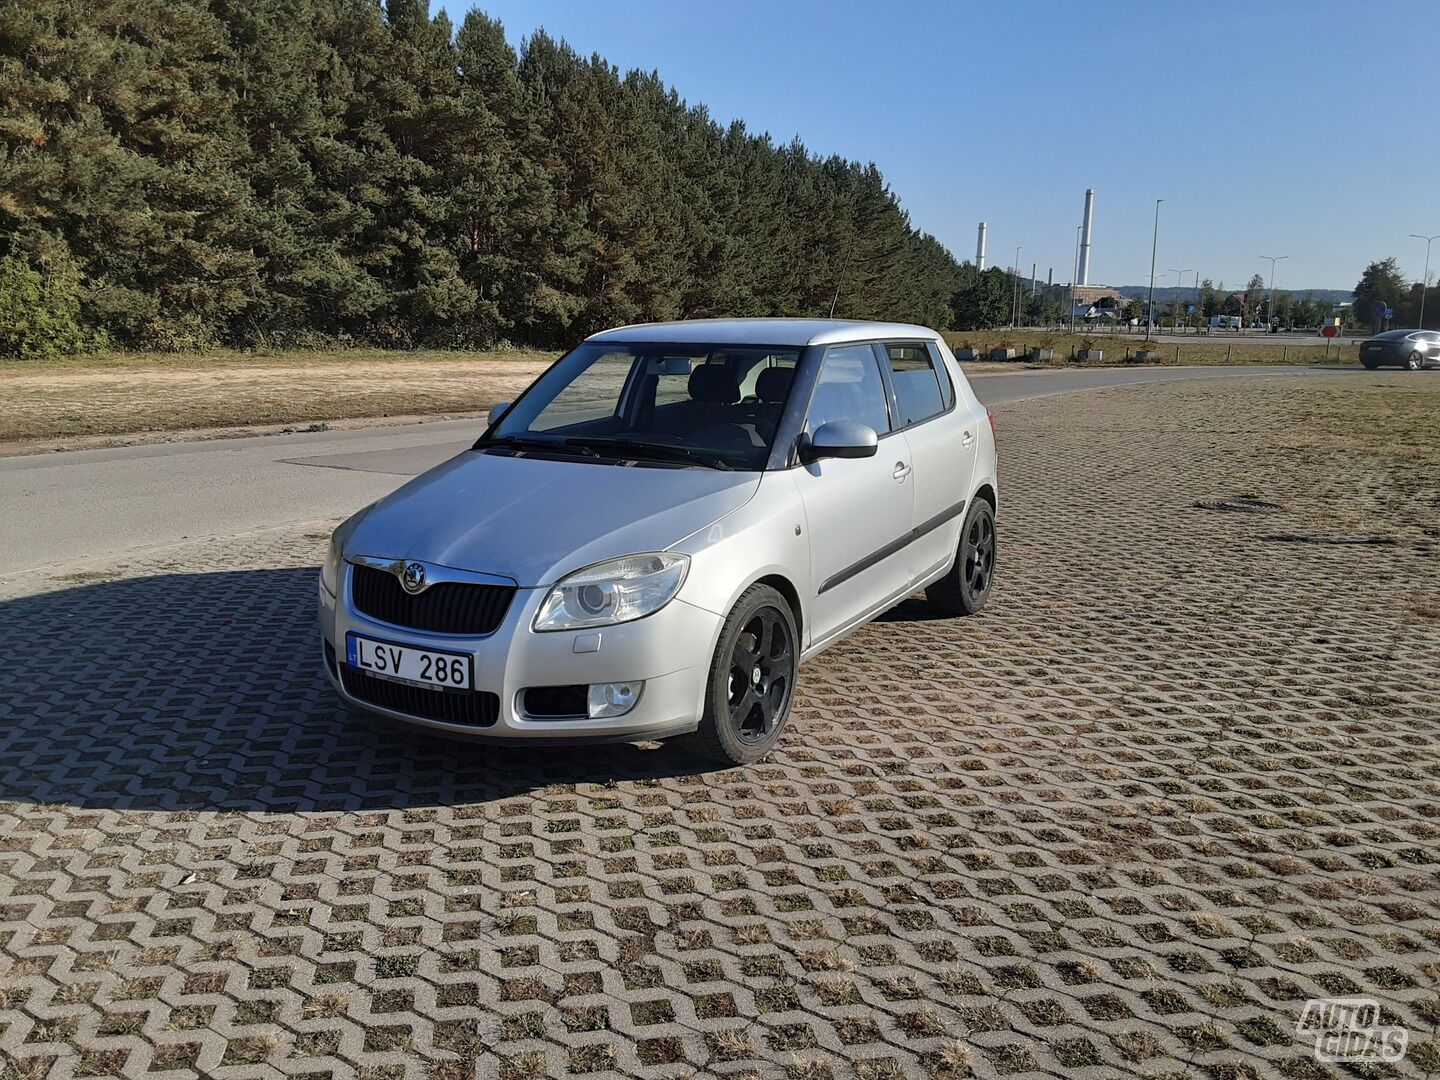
{"points": [[841, 276]]}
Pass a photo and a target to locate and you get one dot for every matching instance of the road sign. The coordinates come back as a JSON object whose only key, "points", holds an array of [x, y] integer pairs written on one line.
{"points": [[1190, 308], [1378, 309], [1389, 313], [1330, 331]]}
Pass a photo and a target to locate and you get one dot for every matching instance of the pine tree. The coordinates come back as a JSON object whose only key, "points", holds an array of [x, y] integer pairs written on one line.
{"points": [[181, 173]]}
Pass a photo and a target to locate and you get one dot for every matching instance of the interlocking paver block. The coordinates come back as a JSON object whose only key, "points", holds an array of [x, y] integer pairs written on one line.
{"points": [[1177, 779]]}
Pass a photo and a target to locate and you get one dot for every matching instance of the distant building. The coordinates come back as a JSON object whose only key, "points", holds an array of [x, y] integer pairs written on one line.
{"points": [[1093, 294]]}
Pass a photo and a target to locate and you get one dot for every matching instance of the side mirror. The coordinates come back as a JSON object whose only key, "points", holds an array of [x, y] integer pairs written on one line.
{"points": [[498, 410], [840, 439]]}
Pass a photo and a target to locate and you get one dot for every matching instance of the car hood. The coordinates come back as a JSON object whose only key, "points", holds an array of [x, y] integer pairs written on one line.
{"points": [[535, 520]]}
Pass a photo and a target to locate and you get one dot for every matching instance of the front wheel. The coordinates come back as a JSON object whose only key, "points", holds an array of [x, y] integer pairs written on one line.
{"points": [[1414, 362], [964, 590], [751, 681]]}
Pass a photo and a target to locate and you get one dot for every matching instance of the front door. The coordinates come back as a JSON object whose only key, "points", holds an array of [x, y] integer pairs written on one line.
{"points": [[858, 510]]}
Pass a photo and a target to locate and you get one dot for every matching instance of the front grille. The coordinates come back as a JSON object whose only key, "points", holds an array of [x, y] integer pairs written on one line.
{"points": [[450, 607], [555, 702], [473, 708]]}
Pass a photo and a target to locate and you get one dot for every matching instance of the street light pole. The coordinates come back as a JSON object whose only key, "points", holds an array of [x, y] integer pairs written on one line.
{"points": [[1179, 282], [1425, 281], [1154, 242], [1271, 303]]}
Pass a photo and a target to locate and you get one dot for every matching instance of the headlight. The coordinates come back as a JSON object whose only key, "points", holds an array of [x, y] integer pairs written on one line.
{"points": [[330, 568], [613, 592], [335, 553]]}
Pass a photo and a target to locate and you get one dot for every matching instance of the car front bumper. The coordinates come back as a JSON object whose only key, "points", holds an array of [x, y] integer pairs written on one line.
{"points": [[669, 650]]}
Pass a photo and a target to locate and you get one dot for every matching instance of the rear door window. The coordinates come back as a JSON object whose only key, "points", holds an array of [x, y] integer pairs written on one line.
{"points": [[922, 389]]}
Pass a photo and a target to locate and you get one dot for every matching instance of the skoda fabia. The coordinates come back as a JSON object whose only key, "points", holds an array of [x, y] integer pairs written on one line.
{"points": [[655, 535]]}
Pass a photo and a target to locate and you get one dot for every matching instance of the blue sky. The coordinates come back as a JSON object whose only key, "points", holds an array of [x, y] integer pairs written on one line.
{"points": [[1275, 128]]}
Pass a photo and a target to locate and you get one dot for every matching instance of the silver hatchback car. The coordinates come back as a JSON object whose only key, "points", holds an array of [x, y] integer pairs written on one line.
{"points": [[650, 540]]}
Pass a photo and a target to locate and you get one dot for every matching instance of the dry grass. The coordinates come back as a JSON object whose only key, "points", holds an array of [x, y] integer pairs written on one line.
{"points": [[134, 393], [1196, 349], [1389, 416], [119, 397]]}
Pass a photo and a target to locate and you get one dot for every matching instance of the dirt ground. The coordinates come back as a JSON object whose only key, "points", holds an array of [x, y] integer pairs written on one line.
{"points": [[1180, 777]]}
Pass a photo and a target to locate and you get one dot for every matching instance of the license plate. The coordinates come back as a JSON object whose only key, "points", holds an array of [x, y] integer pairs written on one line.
{"points": [[407, 664]]}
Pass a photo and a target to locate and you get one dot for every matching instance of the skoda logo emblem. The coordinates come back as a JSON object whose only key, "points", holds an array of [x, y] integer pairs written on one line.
{"points": [[412, 578]]}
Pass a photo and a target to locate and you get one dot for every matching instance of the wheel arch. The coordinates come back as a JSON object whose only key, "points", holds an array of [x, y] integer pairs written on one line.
{"points": [[786, 588], [987, 493]]}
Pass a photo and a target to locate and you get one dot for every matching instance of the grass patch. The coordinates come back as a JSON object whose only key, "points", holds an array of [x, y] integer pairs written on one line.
{"points": [[1194, 349], [139, 394]]}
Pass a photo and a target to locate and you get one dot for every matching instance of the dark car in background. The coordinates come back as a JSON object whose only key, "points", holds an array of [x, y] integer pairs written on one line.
{"points": [[1411, 349]]}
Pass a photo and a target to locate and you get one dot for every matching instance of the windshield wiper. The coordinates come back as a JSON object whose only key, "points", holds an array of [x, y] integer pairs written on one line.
{"points": [[664, 451], [522, 442]]}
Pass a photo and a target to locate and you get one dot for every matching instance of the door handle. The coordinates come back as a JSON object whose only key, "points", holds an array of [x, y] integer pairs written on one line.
{"points": [[967, 439], [901, 470]]}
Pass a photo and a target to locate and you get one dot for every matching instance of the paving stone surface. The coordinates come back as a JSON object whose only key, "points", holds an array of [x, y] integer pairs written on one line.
{"points": [[1178, 779]]}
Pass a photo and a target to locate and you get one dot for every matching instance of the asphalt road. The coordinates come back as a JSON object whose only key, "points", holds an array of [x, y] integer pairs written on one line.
{"points": [[71, 507]]}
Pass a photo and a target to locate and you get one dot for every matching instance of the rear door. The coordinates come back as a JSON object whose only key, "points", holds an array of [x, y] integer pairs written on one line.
{"points": [[942, 438], [858, 511]]}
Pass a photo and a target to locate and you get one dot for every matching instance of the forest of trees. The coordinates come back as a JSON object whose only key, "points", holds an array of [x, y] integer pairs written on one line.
{"points": [[178, 174]]}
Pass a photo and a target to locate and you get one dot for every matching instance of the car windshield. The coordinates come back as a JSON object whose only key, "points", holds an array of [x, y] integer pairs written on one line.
{"points": [[714, 406]]}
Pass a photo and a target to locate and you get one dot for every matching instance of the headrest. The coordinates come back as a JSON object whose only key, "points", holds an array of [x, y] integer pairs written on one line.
{"points": [[714, 383], [774, 383]]}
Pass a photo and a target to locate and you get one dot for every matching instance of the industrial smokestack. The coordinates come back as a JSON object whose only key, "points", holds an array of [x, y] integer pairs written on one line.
{"points": [[1032, 280], [1050, 279], [980, 248], [1085, 237]]}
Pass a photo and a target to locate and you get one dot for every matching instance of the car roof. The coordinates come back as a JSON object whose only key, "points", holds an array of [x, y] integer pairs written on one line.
{"points": [[1392, 334], [796, 332]]}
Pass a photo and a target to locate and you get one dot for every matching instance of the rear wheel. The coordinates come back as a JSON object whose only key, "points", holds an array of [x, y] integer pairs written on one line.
{"points": [[964, 590], [1370, 365], [751, 682], [1414, 362]]}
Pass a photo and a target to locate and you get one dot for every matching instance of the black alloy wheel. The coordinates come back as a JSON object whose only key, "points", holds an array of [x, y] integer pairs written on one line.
{"points": [[964, 590], [762, 671], [752, 680], [977, 552]]}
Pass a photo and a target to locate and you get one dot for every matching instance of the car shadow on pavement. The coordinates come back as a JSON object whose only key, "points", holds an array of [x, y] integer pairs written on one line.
{"points": [[912, 609], [205, 692]]}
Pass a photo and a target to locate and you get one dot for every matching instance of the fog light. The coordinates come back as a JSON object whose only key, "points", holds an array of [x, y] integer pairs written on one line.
{"points": [[613, 698]]}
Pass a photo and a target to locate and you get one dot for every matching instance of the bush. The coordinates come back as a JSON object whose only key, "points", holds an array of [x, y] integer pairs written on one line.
{"points": [[40, 313], [184, 332]]}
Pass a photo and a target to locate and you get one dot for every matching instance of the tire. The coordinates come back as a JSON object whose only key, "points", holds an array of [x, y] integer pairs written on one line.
{"points": [[751, 683], [1370, 365], [1414, 362], [964, 590]]}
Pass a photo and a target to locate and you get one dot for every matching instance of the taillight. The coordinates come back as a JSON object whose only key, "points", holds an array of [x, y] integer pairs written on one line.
{"points": [[991, 417]]}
